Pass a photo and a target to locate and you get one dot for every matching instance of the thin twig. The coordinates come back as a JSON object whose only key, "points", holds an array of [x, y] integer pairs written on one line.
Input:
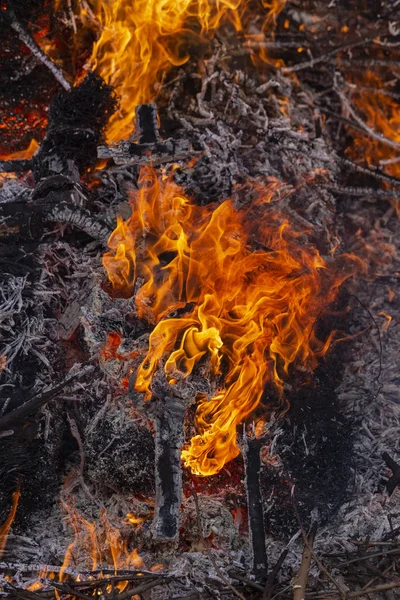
{"points": [[39, 400], [269, 586], [315, 61], [368, 556], [299, 586], [26, 37], [379, 137], [384, 587], [315, 557]]}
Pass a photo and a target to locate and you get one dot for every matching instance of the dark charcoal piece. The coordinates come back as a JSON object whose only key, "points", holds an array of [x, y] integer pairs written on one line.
{"points": [[76, 123], [34, 465], [169, 424], [207, 181], [394, 481], [120, 454], [146, 123]]}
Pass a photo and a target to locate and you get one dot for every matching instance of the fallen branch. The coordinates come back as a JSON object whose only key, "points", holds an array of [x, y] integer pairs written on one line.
{"points": [[269, 586], [299, 587], [384, 587], [26, 37], [33, 404]]}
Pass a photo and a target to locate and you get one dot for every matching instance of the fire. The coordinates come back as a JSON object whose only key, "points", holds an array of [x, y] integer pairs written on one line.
{"points": [[380, 111], [6, 526], [248, 314], [22, 154], [136, 45], [97, 544]]}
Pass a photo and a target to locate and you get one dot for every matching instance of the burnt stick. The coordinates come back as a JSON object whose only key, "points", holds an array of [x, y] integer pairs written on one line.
{"points": [[251, 455]]}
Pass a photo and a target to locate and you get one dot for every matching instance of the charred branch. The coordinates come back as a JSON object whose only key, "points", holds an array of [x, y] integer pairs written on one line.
{"points": [[251, 454], [394, 481], [169, 423], [16, 416]]}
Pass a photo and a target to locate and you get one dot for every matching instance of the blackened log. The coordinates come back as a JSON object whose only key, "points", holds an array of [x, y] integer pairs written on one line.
{"points": [[77, 120], [19, 223], [81, 219], [147, 124], [251, 455], [169, 422], [15, 166]]}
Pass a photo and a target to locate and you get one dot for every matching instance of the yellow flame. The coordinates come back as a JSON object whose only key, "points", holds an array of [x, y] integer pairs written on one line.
{"points": [[138, 43], [247, 314]]}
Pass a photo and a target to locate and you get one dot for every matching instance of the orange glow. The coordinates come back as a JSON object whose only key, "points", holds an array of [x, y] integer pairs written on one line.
{"points": [[246, 314], [6, 526], [97, 544], [3, 362], [134, 520], [381, 113], [388, 318], [22, 154], [136, 45]]}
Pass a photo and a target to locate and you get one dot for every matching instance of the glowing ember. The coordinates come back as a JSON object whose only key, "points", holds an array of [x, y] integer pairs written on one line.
{"points": [[250, 314]]}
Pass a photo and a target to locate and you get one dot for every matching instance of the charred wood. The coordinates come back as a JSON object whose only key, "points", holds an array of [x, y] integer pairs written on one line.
{"points": [[23, 222], [251, 455], [16, 416], [169, 422]]}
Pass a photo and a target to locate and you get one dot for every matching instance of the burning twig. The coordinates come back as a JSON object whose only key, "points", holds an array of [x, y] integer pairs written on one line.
{"points": [[299, 587], [25, 37], [379, 137]]}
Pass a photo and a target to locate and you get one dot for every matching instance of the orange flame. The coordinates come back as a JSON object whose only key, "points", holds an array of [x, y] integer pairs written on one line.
{"points": [[96, 544], [137, 44], [22, 154], [250, 314], [381, 112], [6, 526]]}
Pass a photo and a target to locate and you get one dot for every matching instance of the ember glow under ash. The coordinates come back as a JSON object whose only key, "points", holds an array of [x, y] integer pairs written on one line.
{"points": [[249, 290]]}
